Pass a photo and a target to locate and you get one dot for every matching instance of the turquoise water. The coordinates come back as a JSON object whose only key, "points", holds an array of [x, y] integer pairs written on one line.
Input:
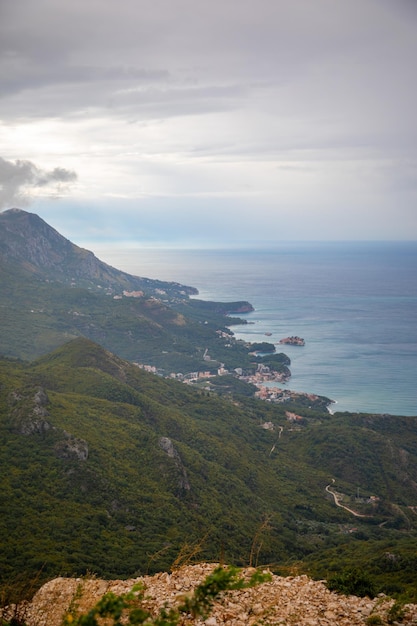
{"points": [[355, 304]]}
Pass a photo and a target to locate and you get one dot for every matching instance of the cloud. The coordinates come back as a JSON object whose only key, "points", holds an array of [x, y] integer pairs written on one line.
{"points": [[20, 180], [89, 52], [260, 107]]}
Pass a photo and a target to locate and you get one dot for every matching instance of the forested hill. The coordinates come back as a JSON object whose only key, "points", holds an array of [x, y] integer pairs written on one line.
{"points": [[108, 469]]}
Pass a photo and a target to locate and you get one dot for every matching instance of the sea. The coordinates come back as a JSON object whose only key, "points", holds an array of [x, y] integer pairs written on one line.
{"points": [[354, 304]]}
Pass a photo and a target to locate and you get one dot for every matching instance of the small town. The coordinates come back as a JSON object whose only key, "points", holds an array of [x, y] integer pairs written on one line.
{"points": [[260, 378]]}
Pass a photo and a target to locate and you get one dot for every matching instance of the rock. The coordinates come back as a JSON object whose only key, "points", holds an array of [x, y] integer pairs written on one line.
{"points": [[28, 412], [285, 601], [167, 446], [71, 448]]}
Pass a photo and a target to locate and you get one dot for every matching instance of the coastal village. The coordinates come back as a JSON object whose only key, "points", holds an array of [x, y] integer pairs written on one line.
{"points": [[260, 378], [264, 377]]}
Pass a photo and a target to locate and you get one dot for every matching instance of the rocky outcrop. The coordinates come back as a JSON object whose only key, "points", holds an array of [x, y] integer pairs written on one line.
{"points": [[285, 601], [28, 412], [28, 417], [167, 446], [71, 448]]}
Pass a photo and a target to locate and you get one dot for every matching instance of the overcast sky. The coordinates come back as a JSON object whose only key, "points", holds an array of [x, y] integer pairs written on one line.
{"points": [[197, 122]]}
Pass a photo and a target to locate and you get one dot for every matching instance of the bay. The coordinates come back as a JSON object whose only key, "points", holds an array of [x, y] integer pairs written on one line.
{"points": [[355, 304]]}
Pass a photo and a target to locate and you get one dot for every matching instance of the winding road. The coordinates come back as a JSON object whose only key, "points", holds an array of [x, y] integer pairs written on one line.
{"points": [[342, 506]]}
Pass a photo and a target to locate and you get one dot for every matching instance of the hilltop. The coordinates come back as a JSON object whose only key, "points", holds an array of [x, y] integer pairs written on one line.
{"points": [[282, 600]]}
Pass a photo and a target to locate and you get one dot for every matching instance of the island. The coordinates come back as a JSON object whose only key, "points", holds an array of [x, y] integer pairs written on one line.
{"points": [[293, 341]]}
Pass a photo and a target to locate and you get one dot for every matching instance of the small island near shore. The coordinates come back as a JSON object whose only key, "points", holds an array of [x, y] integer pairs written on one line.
{"points": [[293, 341]]}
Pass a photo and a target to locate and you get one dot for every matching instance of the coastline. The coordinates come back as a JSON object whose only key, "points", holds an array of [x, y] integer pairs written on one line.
{"points": [[357, 316]]}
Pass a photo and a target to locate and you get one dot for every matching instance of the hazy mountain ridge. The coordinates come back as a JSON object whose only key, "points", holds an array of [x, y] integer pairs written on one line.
{"points": [[27, 240], [53, 291]]}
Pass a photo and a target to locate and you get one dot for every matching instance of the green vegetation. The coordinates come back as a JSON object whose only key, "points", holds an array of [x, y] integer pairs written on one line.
{"points": [[275, 361], [170, 333], [352, 582], [263, 346], [231, 386], [396, 613], [116, 470]]}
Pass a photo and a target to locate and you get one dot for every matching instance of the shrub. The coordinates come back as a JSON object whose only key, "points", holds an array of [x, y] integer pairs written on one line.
{"points": [[396, 613], [352, 582]]}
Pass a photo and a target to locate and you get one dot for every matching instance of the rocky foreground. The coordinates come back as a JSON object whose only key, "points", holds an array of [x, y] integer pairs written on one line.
{"points": [[284, 600]]}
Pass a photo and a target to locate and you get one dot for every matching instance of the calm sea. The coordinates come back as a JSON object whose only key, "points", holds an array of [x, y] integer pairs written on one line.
{"points": [[355, 304]]}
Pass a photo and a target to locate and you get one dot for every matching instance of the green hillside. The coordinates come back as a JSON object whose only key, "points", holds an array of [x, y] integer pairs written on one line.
{"points": [[38, 316], [108, 469]]}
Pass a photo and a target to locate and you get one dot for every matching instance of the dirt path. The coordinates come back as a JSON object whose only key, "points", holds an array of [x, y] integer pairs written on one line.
{"points": [[281, 430]]}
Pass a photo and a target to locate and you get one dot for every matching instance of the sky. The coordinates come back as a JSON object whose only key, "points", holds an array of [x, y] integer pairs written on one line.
{"points": [[229, 122]]}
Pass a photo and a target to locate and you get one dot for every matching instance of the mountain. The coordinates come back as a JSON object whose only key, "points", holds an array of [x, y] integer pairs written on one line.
{"points": [[29, 242], [53, 291], [106, 468]]}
